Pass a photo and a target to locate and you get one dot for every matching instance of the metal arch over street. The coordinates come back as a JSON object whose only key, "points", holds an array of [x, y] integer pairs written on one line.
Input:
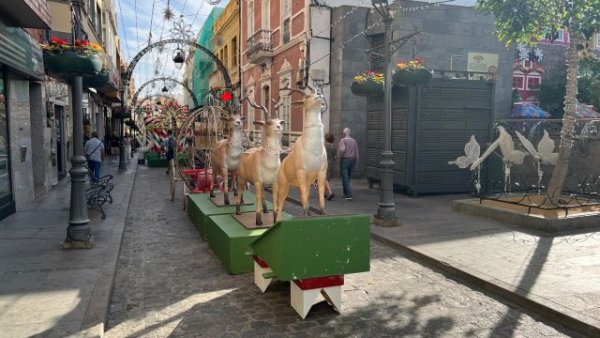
{"points": [[139, 91], [166, 96], [127, 75]]}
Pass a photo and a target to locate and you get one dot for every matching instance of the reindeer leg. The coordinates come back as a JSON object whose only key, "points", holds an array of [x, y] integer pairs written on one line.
{"points": [[258, 187], [304, 192], [212, 182], [239, 198], [321, 190], [275, 204], [234, 180], [281, 196], [225, 174]]}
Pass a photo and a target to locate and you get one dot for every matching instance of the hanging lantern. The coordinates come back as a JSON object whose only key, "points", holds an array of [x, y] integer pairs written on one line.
{"points": [[178, 58], [165, 89]]}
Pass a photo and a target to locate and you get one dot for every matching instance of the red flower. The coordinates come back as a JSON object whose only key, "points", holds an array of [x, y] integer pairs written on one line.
{"points": [[54, 39]]}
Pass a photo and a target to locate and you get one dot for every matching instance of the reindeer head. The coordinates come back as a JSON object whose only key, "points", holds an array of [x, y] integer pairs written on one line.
{"points": [[272, 127], [313, 101], [235, 121]]}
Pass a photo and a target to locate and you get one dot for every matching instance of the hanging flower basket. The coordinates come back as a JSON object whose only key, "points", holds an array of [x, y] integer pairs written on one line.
{"points": [[367, 84], [96, 81], [82, 59], [411, 73]]}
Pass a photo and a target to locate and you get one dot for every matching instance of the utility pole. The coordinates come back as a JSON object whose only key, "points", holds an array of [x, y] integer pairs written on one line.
{"points": [[386, 210], [79, 233]]}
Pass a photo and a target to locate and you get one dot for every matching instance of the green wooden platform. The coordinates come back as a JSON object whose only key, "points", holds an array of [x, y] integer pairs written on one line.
{"points": [[318, 246], [230, 241], [153, 160], [200, 208]]}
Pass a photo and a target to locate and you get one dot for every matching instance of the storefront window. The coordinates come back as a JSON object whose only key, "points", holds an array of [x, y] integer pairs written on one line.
{"points": [[5, 186]]}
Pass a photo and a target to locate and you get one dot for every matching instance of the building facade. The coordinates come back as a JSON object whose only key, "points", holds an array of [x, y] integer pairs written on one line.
{"points": [[226, 46], [24, 161]]}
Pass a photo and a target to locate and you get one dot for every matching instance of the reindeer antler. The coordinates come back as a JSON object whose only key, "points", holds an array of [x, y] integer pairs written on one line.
{"points": [[256, 106]]}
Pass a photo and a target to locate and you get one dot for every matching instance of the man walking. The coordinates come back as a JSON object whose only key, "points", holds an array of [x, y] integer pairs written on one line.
{"points": [[94, 151], [348, 155]]}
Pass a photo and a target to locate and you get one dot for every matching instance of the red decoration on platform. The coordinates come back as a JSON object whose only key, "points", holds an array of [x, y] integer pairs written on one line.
{"points": [[319, 282], [260, 262], [226, 96]]}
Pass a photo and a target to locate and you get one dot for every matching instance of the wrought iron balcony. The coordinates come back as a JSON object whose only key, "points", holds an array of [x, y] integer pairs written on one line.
{"points": [[260, 47]]}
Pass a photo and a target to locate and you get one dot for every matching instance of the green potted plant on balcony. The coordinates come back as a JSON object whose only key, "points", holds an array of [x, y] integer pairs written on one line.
{"points": [[64, 60], [412, 72], [367, 84]]}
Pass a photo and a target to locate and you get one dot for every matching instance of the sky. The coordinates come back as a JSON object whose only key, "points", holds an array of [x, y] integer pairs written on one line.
{"points": [[136, 19]]}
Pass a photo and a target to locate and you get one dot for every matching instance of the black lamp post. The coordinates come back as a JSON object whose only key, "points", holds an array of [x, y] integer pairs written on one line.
{"points": [[79, 233], [386, 210]]}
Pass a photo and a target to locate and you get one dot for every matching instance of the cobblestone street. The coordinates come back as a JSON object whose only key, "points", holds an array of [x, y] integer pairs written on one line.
{"points": [[169, 283]]}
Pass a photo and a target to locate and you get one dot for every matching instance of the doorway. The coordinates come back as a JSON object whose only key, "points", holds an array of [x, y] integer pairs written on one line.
{"points": [[61, 151]]}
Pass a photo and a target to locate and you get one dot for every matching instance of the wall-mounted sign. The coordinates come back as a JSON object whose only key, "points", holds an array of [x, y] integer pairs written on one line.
{"points": [[482, 62]]}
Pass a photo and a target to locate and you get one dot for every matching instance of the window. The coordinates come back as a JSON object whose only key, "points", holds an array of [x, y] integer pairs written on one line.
{"points": [[225, 56], [518, 81], [91, 10], [286, 13], [285, 36], [286, 8], [266, 97], [250, 18], [533, 83], [98, 23], [5, 175], [234, 52], [250, 112], [527, 63], [265, 15], [285, 109]]}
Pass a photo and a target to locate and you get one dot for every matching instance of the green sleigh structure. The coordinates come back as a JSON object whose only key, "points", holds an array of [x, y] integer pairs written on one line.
{"points": [[312, 253]]}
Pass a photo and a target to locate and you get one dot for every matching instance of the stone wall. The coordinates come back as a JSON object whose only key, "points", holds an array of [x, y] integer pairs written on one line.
{"points": [[346, 109], [40, 140], [20, 138]]}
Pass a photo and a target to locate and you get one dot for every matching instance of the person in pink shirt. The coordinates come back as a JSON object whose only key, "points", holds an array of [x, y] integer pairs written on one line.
{"points": [[348, 156]]}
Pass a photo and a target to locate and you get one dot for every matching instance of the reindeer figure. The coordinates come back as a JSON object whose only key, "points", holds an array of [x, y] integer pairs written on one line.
{"points": [[225, 156], [307, 161], [259, 165]]}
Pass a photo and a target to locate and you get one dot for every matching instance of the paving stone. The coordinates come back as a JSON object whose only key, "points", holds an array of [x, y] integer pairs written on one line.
{"points": [[176, 287]]}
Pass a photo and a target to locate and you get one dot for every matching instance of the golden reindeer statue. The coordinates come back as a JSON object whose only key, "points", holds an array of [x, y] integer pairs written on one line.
{"points": [[259, 165], [225, 156], [307, 161]]}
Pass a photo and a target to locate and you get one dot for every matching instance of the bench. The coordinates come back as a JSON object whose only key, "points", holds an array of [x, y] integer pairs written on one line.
{"points": [[96, 195], [99, 192]]}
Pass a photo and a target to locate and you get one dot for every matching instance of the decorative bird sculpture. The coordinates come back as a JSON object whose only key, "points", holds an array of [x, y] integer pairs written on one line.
{"points": [[543, 154]]}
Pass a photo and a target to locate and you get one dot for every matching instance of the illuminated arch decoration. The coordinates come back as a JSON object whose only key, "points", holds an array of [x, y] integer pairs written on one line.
{"points": [[185, 86], [126, 76]]}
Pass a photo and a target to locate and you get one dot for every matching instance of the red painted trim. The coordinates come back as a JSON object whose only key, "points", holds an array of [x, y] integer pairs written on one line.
{"points": [[260, 262], [319, 282]]}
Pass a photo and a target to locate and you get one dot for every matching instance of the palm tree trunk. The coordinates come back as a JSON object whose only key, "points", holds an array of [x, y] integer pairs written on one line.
{"points": [[568, 128]]}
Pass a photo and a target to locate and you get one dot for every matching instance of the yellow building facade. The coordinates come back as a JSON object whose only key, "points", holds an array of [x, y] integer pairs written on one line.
{"points": [[226, 45]]}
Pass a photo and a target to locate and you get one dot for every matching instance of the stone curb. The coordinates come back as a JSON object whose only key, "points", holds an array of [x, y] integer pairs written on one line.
{"points": [[566, 317], [94, 320], [522, 298]]}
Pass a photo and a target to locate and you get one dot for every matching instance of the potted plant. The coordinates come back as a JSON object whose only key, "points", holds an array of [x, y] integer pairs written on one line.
{"points": [[367, 84], [412, 72], [64, 60]]}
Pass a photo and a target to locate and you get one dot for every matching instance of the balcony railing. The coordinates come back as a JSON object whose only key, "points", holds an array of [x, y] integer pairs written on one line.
{"points": [[260, 46]]}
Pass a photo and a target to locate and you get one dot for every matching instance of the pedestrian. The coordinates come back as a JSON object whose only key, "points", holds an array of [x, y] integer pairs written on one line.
{"points": [[348, 155], [330, 149], [170, 145], [127, 144], [114, 148], [94, 151]]}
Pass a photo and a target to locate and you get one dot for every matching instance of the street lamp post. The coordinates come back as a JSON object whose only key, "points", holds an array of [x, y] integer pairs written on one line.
{"points": [[386, 210], [79, 233]]}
